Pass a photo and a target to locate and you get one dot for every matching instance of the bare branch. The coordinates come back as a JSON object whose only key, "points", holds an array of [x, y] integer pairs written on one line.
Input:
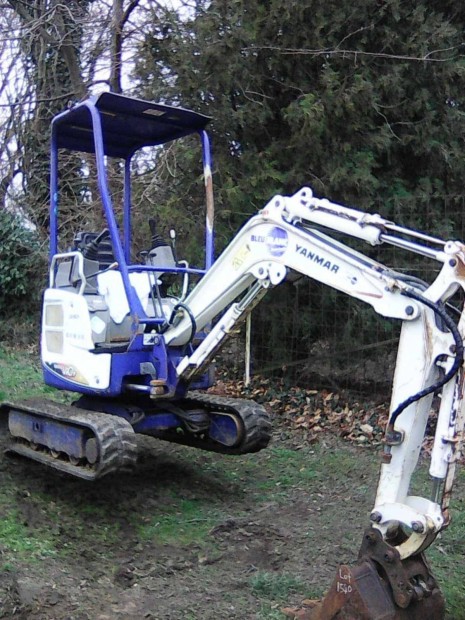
{"points": [[354, 53], [127, 13], [20, 9]]}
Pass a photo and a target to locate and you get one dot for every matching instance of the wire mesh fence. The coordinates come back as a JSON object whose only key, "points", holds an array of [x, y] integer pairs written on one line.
{"points": [[315, 336]]}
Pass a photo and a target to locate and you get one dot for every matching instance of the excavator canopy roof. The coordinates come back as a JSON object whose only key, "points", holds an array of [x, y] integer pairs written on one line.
{"points": [[128, 124]]}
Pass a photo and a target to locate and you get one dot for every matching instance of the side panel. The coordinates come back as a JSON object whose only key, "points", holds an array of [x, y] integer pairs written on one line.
{"points": [[66, 344]]}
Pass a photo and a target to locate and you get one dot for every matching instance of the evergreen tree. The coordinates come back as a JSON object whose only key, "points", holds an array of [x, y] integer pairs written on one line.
{"points": [[362, 101]]}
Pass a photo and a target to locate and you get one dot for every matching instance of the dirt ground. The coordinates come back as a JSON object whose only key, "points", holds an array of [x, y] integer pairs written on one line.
{"points": [[108, 571]]}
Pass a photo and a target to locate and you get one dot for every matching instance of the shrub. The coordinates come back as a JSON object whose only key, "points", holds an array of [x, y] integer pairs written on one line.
{"points": [[22, 265]]}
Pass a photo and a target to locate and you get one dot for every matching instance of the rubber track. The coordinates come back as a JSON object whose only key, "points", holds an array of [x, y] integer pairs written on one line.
{"points": [[254, 419], [116, 440]]}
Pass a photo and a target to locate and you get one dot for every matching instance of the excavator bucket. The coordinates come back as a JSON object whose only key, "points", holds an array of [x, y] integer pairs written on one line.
{"points": [[379, 587], [360, 593]]}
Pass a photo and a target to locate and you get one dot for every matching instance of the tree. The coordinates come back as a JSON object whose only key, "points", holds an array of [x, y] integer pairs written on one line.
{"points": [[56, 54], [50, 39], [19, 253], [362, 101]]}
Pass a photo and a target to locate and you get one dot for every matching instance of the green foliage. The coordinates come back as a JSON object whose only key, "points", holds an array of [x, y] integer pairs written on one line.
{"points": [[17, 540], [21, 260], [358, 101], [276, 586], [168, 185], [447, 570], [20, 380], [189, 523], [363, 102]]}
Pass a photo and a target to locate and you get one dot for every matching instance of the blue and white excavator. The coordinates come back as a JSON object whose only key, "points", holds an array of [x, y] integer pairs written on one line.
{"points": [[140, 357]]}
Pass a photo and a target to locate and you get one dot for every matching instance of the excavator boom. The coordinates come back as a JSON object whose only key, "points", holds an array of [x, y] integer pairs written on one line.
{"points": [[392, 578]]}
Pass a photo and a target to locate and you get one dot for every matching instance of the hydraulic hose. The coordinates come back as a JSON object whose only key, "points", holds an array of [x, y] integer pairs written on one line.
{"points": [[458, 360], [187, 310]]}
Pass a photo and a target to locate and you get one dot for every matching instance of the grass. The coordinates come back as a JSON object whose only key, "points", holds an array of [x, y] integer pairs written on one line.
{"points": [[275, 589], [277, 586], [193, 494], [189, 523], [446, 553], [52, 529], [446, 557], [21, 377], [16, 540], [279, 470], [270, 612]]}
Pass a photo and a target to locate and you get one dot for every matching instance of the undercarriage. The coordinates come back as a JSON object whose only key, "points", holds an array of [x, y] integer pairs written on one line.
{"points": [[96, 437]]}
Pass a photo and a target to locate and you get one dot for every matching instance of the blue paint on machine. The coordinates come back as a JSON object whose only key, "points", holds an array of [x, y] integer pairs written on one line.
{"points": [[276, 241]]}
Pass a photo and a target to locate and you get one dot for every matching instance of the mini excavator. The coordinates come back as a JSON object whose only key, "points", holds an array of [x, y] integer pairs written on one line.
{"points": [[139, 358]]}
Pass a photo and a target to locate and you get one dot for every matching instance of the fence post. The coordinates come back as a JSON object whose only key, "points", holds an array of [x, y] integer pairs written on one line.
{"points": [[248, 330]]}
